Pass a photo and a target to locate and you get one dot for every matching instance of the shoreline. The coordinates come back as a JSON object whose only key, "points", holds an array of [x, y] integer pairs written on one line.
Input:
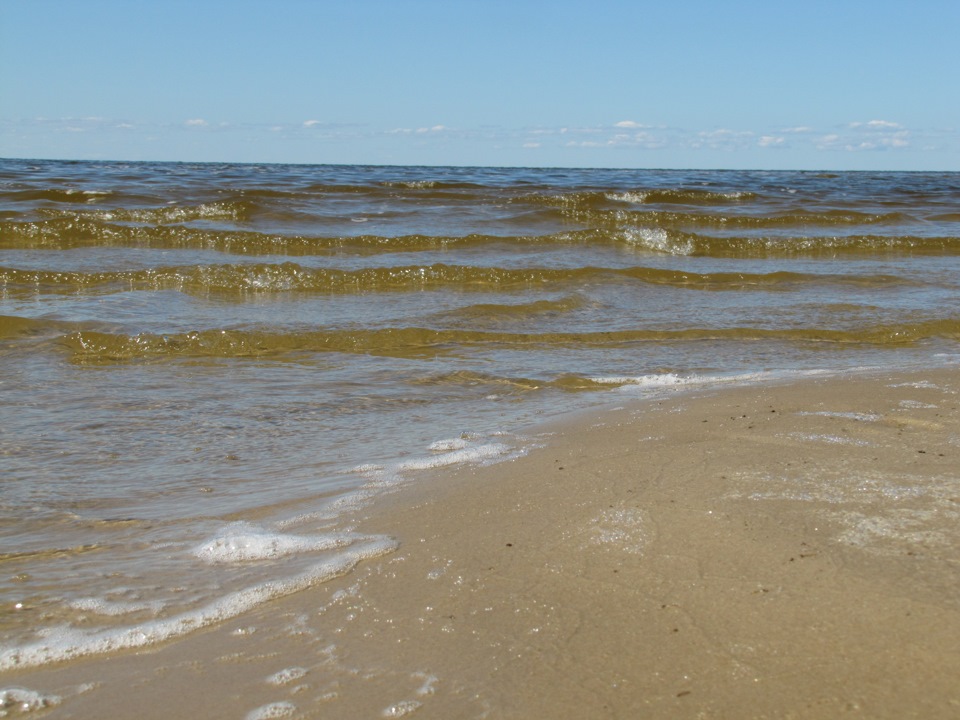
{"points": [[783, 550]]}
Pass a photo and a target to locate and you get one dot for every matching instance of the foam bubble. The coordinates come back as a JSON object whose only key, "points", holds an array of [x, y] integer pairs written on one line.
{"points": [[367, 469], [667, 380], [414, 184], [448, 445], [625, 529], [832, 439], [287, 675], [661, 380], [273, 710], [657, 239], [112, 608], [916, 405], [429, 682], [865, 417], [636, 197], [455, 457], [20, 700], [404, 707], [446, 453], [243, 543]]}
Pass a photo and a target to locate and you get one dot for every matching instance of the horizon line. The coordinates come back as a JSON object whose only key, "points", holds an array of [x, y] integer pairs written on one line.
{"points": [[464, 166]]}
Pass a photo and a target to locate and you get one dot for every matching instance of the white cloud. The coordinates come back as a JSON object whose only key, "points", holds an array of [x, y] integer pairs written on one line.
{"points": [[630, 124], [638, 139], [771, 141], [897, 140], [311, 123], [828, 142], [531, 145], [723, 133], [877, 135], [722, 138], [196, 122]]}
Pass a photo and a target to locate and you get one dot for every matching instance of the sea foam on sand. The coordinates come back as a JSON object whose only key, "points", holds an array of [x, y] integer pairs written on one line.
{"points": [[697, 555]]}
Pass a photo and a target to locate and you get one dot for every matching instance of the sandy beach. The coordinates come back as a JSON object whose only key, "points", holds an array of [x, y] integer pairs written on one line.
{"points": [[779, 551]]}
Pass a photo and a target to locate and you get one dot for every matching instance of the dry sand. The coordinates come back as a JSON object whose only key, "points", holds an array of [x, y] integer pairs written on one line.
{"points": [[766, 552]]}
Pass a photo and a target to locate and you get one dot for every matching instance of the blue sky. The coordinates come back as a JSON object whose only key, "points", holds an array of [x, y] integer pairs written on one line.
{"points": [[604, 83]]}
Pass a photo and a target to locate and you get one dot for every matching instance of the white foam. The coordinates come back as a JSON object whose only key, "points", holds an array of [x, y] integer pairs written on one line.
{"points": [[636, 197], [280, 709], [865, 417], [415, 184], [404, 707], [20, 700], [661, 380], [833, 439], [657, 239], [916, 405], [448, 445], [628, 530], [666, 380], [429, 682], [244, 543], [287, 675], [478, 453], [446, 453], [68, 643], [112, 608], [888, 534]]}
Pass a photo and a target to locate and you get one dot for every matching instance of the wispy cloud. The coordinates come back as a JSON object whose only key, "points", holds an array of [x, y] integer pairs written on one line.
{"points": [[73, 124], [870, 135], [772, 141], [877, 125], [557, 141], [419, 130], [723, 139]]}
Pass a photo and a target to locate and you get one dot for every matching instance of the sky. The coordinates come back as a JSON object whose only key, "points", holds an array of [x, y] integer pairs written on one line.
{"points": [[844, 84]]}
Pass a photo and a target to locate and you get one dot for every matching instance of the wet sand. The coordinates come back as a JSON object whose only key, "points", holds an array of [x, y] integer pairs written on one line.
{"points": [[786, 551]]}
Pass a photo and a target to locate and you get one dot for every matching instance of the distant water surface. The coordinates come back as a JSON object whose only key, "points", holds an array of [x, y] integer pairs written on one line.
{"points": [[201, 365]]}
